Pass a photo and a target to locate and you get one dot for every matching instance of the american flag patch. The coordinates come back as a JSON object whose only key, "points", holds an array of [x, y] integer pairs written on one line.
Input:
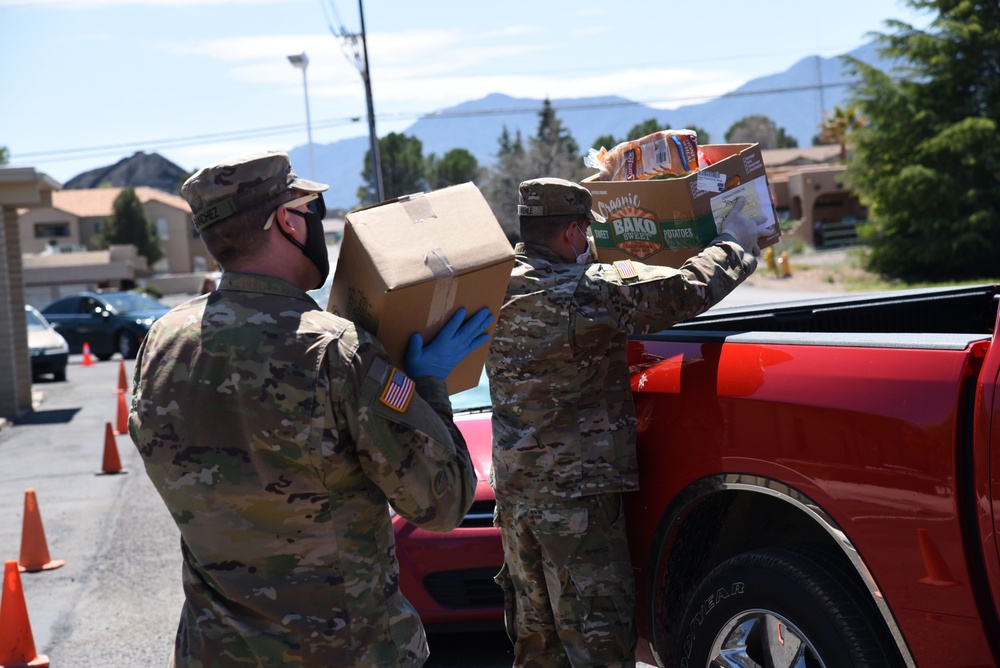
{"points": [[398, 391], [626, 269]]}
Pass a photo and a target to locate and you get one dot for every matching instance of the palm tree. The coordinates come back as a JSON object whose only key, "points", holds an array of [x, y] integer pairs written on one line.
{"points": [[838, 125]]}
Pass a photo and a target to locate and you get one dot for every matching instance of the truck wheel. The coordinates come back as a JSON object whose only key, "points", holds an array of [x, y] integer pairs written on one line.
{"points": [[780, 609]]}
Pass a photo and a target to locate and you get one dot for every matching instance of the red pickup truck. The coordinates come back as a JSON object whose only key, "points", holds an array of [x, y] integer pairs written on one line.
{"points": [[821, 483]]}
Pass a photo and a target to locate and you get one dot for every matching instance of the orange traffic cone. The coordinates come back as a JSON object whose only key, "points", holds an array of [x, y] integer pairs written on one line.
{"points": [[121, 426], [112, 464], [34, 548], [17, 645], [87, 360], [938, 573], [122, 382]]}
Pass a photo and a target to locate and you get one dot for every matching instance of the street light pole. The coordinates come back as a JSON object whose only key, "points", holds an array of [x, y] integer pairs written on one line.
{"points": [[301, 61], [372, 137]]}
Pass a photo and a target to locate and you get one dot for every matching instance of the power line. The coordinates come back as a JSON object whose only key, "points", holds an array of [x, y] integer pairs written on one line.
{"points": [[269, 131], [180, 142], [355, 47]]}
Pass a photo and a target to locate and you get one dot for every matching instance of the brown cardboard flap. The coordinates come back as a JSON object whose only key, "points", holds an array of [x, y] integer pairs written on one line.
{"points": [[445, 225], [408, 264]]}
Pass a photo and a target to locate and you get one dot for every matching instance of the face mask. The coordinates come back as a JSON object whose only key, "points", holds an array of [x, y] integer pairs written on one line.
{"points": [[315, 245], [589, 253]]}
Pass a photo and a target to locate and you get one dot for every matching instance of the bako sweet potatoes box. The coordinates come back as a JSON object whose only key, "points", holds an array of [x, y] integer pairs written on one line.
{"points": [[408, 264], [666, 221]]}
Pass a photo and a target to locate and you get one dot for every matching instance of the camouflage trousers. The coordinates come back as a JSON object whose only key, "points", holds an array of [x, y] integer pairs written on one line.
{"points": [[571, 582]]}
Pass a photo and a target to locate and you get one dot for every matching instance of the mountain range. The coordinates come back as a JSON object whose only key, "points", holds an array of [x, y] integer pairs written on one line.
{"points": [[793, 99], [140, 169]]}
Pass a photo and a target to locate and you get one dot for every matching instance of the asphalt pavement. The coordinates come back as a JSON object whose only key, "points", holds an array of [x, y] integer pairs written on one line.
{"points": [[117, 599], [118, 596]]}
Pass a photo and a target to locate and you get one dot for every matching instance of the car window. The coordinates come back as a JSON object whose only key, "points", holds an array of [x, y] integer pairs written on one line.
{"points": [[90, 305], [475, 398], [65, 305], [125, 302], [322, 294], [34, 321]]}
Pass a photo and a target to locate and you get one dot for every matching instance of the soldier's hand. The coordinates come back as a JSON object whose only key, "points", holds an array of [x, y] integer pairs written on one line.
{"points": [[746, 231], [455, 340]]}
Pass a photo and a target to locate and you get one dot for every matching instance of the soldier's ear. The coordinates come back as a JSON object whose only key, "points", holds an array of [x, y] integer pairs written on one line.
{"points": [[286, 222]]}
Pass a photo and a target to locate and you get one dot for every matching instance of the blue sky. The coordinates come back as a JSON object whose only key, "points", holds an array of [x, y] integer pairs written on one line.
{"points": [[88, 82]]}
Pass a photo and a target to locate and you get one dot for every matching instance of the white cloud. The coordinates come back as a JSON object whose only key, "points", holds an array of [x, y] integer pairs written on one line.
{"points": [[98, 4]]}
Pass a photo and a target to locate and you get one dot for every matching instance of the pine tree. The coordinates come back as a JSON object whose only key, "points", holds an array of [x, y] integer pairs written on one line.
{"points": [[927, 164], [502, 180], [403, 165], [553, 152], [129, 224], [457, 166]]}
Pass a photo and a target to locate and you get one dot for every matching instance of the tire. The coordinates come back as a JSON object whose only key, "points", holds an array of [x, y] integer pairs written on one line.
{"points": [[780, 608], [127, 344], [60, 375]]}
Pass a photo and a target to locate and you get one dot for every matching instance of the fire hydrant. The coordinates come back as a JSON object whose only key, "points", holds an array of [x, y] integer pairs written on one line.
{"points": [[769, 259], [785, 265]]}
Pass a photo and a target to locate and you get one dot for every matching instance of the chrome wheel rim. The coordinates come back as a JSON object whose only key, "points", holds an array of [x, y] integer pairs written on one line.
{"points": [[762, 638]]}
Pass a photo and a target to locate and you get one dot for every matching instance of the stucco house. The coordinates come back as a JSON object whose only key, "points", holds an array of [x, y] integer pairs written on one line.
{"points": [[74, 219], [58, 242], [808, 185]]}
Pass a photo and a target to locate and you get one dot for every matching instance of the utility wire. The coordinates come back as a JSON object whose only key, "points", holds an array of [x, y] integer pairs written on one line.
{"points": [[181, 142], [348, 41]]}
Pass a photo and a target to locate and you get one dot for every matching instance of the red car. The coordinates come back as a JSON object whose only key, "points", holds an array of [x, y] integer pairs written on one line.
{"points": [[448, 577]]}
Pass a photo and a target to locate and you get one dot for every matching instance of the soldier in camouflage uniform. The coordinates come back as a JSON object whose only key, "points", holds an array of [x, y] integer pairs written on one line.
{"points": [[276, 433], [564, 424]]}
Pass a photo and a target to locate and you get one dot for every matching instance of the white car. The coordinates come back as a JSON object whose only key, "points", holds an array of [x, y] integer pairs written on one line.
{"points": [[49, 350]]}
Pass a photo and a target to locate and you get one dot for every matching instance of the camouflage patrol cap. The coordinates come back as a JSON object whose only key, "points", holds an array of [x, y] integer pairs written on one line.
{"points": [[238, 183], [555, 197]]}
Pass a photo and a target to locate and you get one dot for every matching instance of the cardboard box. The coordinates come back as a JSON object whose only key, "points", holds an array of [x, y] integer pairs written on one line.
{"points": [[666, 221], [406, 265]]}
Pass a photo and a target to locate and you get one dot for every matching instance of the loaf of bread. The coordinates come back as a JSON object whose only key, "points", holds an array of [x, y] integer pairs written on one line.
{"points": [[662, 154]]}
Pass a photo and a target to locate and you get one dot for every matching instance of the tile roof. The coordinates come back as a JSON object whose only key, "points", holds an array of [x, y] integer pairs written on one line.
{"points": [[99, 202], [802, 155]]}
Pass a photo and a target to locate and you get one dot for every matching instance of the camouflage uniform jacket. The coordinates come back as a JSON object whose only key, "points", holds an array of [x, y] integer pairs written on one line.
{"points": [[564, 423], [261, 422]]}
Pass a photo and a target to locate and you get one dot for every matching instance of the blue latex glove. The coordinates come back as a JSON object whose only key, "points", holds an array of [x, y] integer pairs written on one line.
{"points": [[449, 347]]}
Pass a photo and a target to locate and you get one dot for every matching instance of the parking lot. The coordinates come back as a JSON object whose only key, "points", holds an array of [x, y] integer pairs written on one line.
{"points": [[117, 599]]}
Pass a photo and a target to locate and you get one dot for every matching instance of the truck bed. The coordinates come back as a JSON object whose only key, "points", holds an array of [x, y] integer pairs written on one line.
{"points": [[941, 318], [859, 428]]}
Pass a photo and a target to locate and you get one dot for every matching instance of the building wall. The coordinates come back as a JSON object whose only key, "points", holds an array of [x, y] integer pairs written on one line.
{"points": [[32, 218], [90, 229], [826, 207], [15, 374], [183, 251], [18, 188], [173, 237]]}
